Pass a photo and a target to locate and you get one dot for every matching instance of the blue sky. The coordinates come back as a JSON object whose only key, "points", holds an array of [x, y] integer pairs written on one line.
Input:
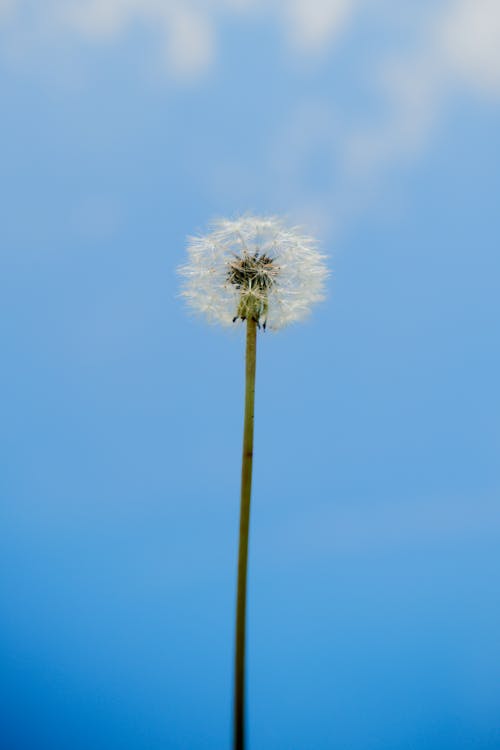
{"points": [[374, 609]]}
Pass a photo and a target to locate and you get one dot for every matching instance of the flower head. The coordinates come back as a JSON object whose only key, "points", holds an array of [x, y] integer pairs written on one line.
{"points": [[255, 268]]}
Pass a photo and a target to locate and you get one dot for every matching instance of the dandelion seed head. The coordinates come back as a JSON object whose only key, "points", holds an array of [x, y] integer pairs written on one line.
{"points": [[253, 267]]}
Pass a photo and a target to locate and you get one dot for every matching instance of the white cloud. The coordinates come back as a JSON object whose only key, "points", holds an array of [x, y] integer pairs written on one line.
{"points": [[455, 49], [6, 7], [190, 42], [188, 27], [470, 37], [459, 48], [312, 25], [187, 30], [462, 36], [99, 19]]}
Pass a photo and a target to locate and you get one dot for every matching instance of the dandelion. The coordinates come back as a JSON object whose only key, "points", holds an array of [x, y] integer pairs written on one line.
{"points": [[253, 268], [255, 271]]}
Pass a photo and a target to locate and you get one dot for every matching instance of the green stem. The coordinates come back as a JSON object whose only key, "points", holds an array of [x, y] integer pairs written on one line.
{"points": [[246, 489]]}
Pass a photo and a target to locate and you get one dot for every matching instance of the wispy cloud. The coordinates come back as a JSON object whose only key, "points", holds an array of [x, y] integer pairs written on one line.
{"points": [[6, 5], [187, 28], [469, 41], [462, 35], [313, 25], [454, 51]]}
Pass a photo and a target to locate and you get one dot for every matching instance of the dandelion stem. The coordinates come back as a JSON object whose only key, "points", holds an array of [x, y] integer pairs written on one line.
{"points": [[246, 489]]}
